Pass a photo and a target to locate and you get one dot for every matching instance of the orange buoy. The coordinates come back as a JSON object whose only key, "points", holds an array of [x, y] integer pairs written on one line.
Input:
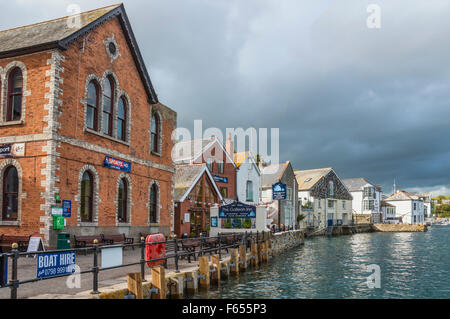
{"points": [[155, 251]]}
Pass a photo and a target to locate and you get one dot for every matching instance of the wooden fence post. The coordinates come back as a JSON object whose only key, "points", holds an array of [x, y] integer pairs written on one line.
{"points": [[242, 257], [134, 281], [204, 272], [159, 282], [234, 261], [215, 260], [254, 256]]}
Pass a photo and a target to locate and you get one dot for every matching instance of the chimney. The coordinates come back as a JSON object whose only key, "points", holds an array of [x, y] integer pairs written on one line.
{"points": [[229, 145]]}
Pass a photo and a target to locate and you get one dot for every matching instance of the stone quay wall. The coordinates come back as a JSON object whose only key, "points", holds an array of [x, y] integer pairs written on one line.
{"points": [[392, 228]]}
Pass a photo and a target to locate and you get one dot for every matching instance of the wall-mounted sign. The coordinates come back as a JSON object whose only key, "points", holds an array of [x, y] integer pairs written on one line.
{"points": [[12, 150], [57, 211], [279, 191], [55, 264], [237, 210], [220, 179], [214, 221], [117, 164], [67, 208]]}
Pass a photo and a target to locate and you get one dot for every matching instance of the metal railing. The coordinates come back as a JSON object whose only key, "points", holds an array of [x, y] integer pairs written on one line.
{"points": [[188, 249]]}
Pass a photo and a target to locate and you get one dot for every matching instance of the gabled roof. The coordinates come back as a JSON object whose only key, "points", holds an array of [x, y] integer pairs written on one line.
{"points": [[59, 34], [356, 184], [306, 179], [402, 195], [190, 152], [240, 158], [186, 177], [386, 204], [272, 174]]}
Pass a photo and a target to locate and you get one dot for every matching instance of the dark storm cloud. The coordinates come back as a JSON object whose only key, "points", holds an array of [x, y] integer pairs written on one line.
{"points": [[369, 102]]}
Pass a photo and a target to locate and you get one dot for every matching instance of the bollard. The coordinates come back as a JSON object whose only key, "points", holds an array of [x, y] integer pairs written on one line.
{"points": [[95, 270], [159, 282], [254, 255], [234, 261], [143, 259], [204, 272], [134, 282], [14, 281], [216, 267], [242, 258]]}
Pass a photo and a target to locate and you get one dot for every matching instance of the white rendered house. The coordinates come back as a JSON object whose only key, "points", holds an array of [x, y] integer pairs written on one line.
{"points": [[248, 178], [367, 197], [409, 206]]}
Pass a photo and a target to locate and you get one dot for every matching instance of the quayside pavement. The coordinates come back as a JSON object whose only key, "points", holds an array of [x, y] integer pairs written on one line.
{"points": [[57, 288]]}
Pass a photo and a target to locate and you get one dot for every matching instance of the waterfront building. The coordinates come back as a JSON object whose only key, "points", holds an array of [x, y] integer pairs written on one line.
{"points": [[388, 212], [367, 197], [325, 200], [282, 212], [409, 206], [80, 122], [195, 193], [218, 160], [248, 178]]}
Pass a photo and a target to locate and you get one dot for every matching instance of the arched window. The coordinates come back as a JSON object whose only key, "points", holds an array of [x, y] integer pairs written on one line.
{"points": [[153, 204], [122, 120], [15, 85], [122, 200], [10, 194], [87, 197], [92, 106], [155, 129], [249, 191], [108, 102]]}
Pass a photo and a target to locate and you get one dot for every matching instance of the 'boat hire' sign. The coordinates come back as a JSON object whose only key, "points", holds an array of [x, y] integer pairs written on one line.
{"points": [[237, 210]]}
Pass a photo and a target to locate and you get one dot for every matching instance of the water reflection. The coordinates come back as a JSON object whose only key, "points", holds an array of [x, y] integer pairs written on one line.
{"points": [[413, 265]]}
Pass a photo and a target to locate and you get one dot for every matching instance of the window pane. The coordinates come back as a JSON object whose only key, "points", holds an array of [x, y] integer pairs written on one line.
{"points": [[106, 123], [92, 94], [86, 197], [16, 107], [16, 81], [90, 117], [121, 110], [12, 180], [120, 129]]}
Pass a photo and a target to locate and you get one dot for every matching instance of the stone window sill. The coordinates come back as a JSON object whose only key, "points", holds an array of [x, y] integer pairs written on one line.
{"points": [[87, 224], [9, 223], [156, 153], [123, 224], [12, 123], [154, 224], [107, 136]]}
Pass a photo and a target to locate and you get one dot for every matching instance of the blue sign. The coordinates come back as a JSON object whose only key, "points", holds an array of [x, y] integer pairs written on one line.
{"points": [[214, 222], [237, 210], [117, 164], [220, 179], [279, 191], [67, 208], [55, 264]]}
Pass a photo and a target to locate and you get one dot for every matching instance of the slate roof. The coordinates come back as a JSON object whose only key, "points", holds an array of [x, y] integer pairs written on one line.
{"points": [[186, 176], [306, 179], [356, 184], [272, 174], [59, 34], [48, 31]]}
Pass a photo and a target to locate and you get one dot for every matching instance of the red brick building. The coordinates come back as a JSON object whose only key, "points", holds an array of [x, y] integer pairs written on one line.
{"points": [[195, 193], [79, 117], [218, 160]]}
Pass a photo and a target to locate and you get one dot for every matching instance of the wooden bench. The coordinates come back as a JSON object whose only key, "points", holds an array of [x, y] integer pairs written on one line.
{"points": [[118, 239], [88, 241], [8, 240], [190, 245]]}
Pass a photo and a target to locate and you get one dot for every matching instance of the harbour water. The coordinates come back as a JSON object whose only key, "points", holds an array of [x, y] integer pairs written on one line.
{"points": [[412, 265]]}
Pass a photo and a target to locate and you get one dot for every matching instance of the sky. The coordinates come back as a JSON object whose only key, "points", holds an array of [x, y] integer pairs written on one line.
{"points": [[369, 102]]}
